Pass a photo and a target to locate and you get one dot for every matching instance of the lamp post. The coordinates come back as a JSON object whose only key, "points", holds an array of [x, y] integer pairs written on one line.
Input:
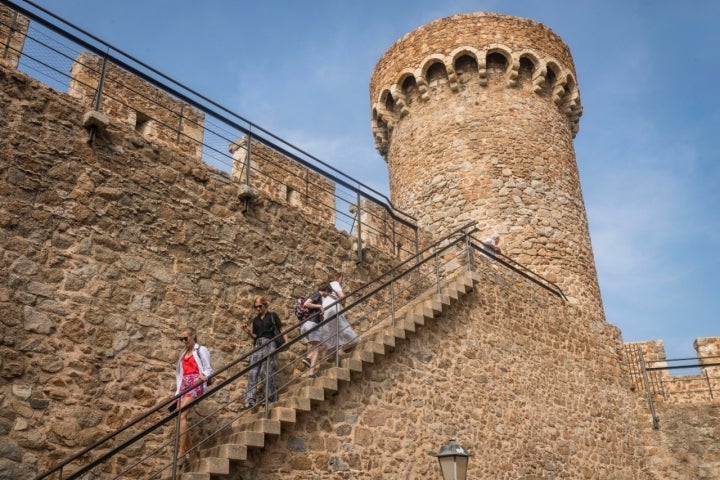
{"points": [[453, 459]]}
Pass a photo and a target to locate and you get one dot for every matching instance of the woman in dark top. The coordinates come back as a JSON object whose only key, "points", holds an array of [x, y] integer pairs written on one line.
{"points": [[265, 326]]}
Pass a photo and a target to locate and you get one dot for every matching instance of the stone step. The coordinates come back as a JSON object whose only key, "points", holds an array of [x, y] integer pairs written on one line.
{"points": [[231, 451], [365, 356], [388, 341], [323, 381], [397, 331], [266, 426], [210, 465], [352, 364], [295, 402], [417, 317], [374, 347], [468, 281], [338, 373], [444, 299], [314, 393], [408, 324], [452, 292], [246, 437], [435, 304], [193, 476]]}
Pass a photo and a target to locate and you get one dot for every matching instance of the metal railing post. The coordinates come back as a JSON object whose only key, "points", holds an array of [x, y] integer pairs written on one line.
{"points": [[392, 302], [98, 94], [10, 34], [267, 381], [248, 156], [180, 123], [177, 441], [707, 378], [469, 253], [646, 382], [437, 271], [359, 231]]}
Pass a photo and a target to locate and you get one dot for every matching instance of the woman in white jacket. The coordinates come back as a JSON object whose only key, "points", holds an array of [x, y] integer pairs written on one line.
{"points": [[192, 372]]}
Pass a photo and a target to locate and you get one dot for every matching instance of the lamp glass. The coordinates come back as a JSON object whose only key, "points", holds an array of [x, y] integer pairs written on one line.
{"points": [[453, 467]]}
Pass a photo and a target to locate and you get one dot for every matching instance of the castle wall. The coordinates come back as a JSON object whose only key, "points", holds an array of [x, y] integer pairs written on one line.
{"points": [[673, 385], [106, 252], [285, 180], [133, 104], [475, 115], [13, 30], [529, 385]]}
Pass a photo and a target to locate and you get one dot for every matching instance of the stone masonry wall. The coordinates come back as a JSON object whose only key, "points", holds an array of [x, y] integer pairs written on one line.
{"points": [[106, 252], [133, 104], [678, 386], [528, 384], [13, 30], [475, 115], [284, 180]]}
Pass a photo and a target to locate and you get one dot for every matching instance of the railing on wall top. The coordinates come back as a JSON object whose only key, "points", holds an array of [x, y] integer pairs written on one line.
{"points": [[699, 381], [146, 447], [56, 53]]}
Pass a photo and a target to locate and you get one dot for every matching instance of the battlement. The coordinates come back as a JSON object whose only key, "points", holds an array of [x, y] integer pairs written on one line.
{"points": [[13, 30], [284, 180], [651, 370], [466, 52], [131, 103]]}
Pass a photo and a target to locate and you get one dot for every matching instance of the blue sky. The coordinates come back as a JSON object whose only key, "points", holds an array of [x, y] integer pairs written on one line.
{"points": [[649, 136]]}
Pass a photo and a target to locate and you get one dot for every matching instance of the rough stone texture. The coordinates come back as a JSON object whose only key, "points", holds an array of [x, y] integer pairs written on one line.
{"points": [[134, 104], [535, 388], [280, 178], [106, 251], [13, 30], [475, 115], [677, 386]]}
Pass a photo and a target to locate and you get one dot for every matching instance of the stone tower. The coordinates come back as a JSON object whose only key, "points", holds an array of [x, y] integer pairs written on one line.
{"points": [[475, 115]]}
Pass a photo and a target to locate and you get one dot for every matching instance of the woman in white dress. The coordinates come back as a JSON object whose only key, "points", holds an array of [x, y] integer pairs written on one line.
{"points": [[337, 331]]}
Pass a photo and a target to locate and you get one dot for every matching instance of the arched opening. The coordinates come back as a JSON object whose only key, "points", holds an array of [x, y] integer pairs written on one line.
{"points": [[410, 89], [436, 74], [389, 102], [525, 72], [497, 65], [465, 67], [550, 80]]}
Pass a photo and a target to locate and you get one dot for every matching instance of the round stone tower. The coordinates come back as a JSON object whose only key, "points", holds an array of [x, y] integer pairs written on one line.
{"points": [[475, 115]]}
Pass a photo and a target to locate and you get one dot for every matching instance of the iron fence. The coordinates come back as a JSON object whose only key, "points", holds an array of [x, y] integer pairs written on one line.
{"points": [[139, 98]]}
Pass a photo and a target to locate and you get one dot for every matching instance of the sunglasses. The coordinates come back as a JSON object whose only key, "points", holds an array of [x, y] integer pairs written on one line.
{"points": [[259, 306], [183, 339]]}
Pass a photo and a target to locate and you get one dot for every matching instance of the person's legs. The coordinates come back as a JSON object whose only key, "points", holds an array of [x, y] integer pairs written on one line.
{"points": [[184, 443], [251, 384]]}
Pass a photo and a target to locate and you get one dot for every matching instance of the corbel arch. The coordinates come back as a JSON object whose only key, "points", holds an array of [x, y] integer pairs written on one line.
{"points": [[498, 61], [466, 63], [528, 64], [434, 70]]}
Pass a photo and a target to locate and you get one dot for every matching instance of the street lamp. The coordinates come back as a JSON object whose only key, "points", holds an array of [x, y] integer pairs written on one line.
{"points": [[453, 459]]}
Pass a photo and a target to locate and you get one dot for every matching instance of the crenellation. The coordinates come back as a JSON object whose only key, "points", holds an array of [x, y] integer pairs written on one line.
{"points": [[107, 248], [13, 32], [523, 109], [284, 180], [133, 104]]}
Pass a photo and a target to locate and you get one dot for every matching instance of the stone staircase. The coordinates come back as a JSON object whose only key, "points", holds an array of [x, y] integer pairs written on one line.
{"points": [[250, 430]]}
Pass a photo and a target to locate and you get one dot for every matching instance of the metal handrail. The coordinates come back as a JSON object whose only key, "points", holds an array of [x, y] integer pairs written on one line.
{"points": [[456, 239], [518, 268], [214, 110]]}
